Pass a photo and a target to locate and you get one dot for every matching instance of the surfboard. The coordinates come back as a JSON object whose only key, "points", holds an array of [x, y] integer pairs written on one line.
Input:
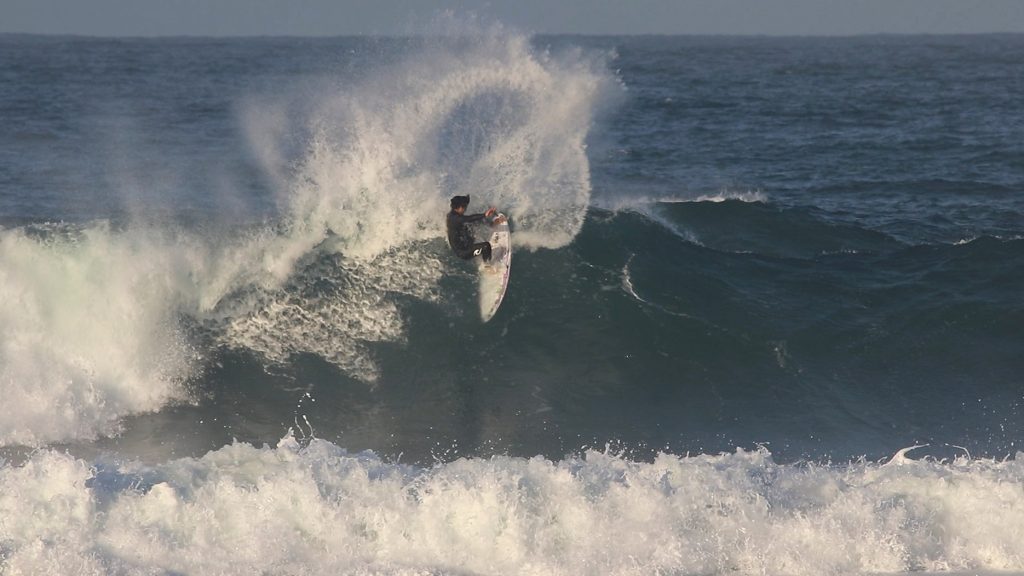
{"points": [[494, 274]]}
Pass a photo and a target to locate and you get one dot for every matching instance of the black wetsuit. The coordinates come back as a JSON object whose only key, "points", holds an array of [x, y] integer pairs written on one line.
{"points": [[460, 238]]}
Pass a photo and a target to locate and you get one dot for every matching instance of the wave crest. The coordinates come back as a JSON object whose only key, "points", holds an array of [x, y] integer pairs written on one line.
{"points": [[316, 508]]}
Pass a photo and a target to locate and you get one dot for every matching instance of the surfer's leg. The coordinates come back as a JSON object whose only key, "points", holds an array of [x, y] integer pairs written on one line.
{"points": [[482, 249]]}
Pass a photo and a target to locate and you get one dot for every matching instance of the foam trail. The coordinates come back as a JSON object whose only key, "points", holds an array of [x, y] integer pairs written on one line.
{"points": [[335, 308], [318, 509]]}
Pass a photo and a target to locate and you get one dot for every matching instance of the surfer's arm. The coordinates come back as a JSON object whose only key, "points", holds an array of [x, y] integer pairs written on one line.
{"points": [[469, 218], [493, 217]]}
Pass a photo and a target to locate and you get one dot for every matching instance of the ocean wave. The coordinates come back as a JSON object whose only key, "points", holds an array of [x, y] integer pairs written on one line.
{"points": [[91, 328], [308, 506]]}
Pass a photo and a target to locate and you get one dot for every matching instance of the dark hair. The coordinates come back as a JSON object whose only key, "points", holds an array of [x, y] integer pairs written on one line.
{"points": [[460, 201]]}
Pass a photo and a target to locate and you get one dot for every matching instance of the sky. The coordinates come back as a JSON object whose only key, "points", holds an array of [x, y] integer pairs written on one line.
{"points": [[388, 17]]}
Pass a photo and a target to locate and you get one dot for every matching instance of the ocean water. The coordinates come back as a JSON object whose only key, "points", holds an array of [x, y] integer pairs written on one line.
{"points": [[765, 312]]}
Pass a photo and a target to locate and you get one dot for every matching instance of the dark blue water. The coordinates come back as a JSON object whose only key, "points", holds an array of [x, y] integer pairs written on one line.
{"points": [[813, 246]]}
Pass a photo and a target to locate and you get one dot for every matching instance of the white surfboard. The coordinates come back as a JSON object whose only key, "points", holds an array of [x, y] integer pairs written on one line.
{"points": [[494, 274]]}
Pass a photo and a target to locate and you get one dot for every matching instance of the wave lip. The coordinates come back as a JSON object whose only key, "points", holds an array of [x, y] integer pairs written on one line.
{"points": [[312, 507]]}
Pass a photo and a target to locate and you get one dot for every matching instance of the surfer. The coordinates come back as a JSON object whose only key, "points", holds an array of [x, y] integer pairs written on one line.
{"points": [[460, 238]]}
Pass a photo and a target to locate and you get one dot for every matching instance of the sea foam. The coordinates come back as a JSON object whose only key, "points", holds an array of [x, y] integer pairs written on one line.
{"points": [[311, 507], [87, 334]]}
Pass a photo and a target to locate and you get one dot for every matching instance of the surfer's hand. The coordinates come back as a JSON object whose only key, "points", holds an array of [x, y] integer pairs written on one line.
{"points": [[490, 212]]}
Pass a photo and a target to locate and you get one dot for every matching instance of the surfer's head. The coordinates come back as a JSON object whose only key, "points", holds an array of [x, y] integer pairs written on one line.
{"points": [[460, 202]]}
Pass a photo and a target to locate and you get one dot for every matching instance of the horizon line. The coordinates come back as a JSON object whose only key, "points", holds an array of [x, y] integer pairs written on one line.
{"points": [[87, 36]]}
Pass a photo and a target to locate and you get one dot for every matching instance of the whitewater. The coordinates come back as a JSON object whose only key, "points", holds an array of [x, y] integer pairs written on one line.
{"points": [[311, 507]]}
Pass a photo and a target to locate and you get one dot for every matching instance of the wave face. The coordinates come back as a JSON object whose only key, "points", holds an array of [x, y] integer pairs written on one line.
{"points": [[748, 272]]}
